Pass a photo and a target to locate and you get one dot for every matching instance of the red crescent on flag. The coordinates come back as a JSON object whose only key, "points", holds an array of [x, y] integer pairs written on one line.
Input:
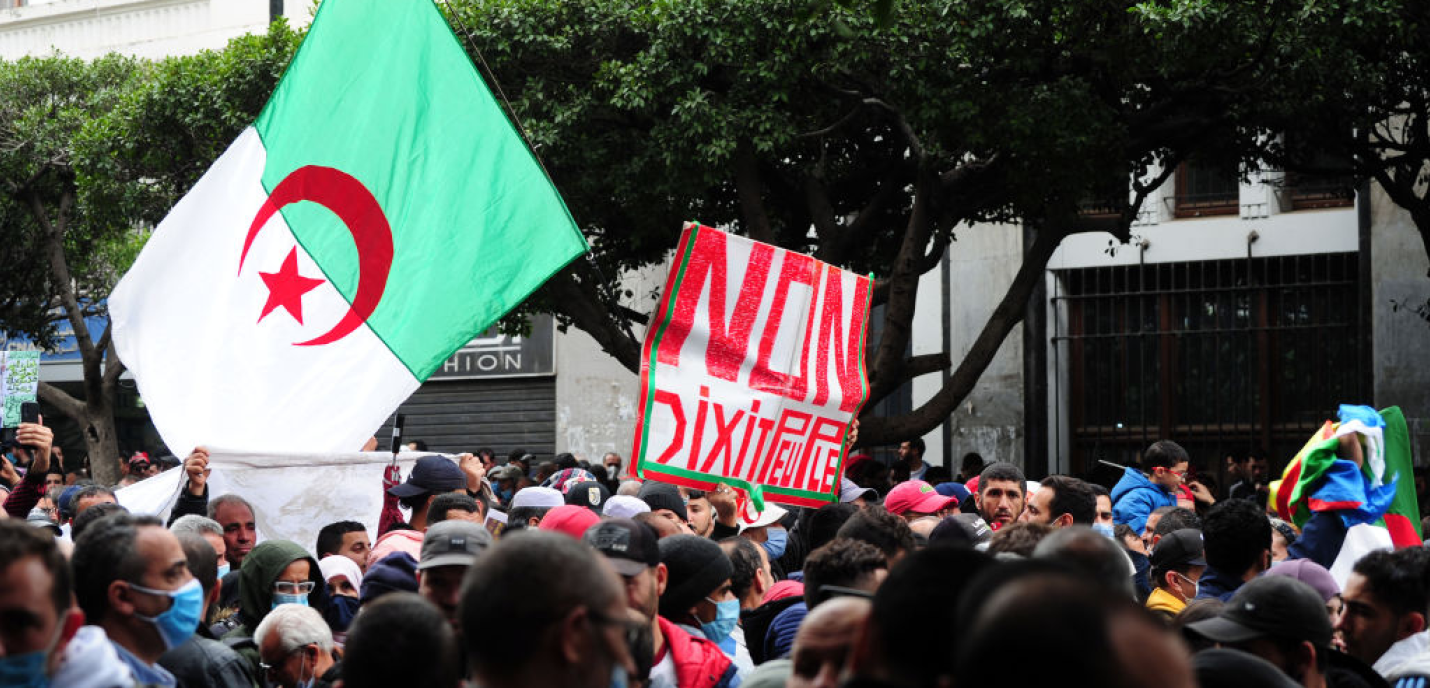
{"points": [[360, 212]]}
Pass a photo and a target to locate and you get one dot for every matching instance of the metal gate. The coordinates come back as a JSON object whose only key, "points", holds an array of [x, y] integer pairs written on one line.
{"points": [[1222, 356]]}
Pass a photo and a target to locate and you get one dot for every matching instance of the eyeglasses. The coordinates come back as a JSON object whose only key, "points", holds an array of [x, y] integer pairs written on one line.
{"points": [[270, 670], [286, 588]]}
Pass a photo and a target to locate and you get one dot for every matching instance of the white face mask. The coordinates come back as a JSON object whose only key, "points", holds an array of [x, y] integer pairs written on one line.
{"points": [[1196, 587]]}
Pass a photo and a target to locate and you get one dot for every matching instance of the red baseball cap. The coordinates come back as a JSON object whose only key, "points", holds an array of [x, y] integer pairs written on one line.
{"points": [[917, 496], [569, 519]]}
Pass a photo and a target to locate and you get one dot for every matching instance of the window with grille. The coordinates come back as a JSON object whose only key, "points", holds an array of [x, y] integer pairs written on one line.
{"points": [[1221, 356]]}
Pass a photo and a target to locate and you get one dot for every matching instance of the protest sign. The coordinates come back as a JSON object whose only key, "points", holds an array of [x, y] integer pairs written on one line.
{"points": [[752, 370], [19, 381]]}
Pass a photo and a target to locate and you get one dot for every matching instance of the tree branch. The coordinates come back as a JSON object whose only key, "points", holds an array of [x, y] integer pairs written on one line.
{"points": [[60, 399], [584, 307]]}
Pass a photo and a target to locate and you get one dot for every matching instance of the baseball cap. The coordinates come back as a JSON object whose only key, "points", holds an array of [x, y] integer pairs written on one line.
{"points": [[37, 517], [955, 490], [624, 506], [544, 497], [432, 473], [771, 515], [662, 496], [570, 519], [1179, 548], [917, 496], [850, 491], [971, 526], [1276, 606], [504, 473], [1310, 573], [453, 543], [631, 546], [590, 494]]}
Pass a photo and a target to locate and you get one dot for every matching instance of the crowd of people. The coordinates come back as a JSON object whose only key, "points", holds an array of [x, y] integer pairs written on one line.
{"points": [[508, 572]]}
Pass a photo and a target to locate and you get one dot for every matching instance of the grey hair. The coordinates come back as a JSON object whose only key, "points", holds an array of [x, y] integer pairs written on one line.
{"points": [[629, 488], [196, 524], [221, 500], [297, 626]]}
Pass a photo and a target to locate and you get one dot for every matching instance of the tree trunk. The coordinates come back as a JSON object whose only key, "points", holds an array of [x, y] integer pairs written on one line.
{"points": [[96, 421]]}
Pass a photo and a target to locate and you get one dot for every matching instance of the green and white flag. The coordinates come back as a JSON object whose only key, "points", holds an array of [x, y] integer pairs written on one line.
{"points": [[380, 213]]}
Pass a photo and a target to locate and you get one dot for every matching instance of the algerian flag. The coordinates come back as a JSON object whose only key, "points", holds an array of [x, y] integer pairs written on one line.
{"points": [[379, 214]]}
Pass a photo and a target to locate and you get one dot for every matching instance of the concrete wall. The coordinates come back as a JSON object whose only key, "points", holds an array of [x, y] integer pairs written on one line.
{"points": [[141, 28], [1400, 362], [983, 263]]}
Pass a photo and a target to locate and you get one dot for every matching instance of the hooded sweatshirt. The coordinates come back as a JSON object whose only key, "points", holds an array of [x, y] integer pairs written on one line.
{"points": [[91, 662], [261, 569], [1135, 497]]}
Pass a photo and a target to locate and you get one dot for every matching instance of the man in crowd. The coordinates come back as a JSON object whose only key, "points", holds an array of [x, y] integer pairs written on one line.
{"points": [[449, 548], [1060, 502], [1384, 621], [430, 476], [212, 533], [530, 505], [970, 467], [612, 462], [132, 580], [698, 595], [31, 447], [345, 538], [202, 660], [911, 458], [1164, 465], [886, 532], [91, 495], [841, 567], [275, 572], [665, 502], [296, 648], [1177, 565], [1103, 522], [1000, 494], [679, 659], [751, 578], [915, 499], [43, 640], [557, 614], [401, 640], [1280, 620], [821, 647], [1237, 541]]}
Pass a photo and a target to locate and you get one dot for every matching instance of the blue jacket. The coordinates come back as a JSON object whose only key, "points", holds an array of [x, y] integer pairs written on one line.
{"points": [[1134, 497], [1216, 585]]}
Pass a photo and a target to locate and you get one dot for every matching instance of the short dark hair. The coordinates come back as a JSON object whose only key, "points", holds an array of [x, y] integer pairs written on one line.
{"points": [[825, 522], [444, 503], [745, 558], [1236, 534], [330, 538], [917, 444], [1098, 490], [1019, 537], [1396, 579], [1177, 518], [971, 460], [1071, 496], [1163, 454], [19, 540], [917, 603], [1001, 471], [201, 559], [98, 511], [418, 445], [516, 518], [106, 553], [843, 563], [401, 639], [522, 585], [876, 526], [89, 491]]}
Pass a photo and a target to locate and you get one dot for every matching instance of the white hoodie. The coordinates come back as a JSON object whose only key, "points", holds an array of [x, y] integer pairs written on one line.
{"points": [[1403, 655], [91, 662]]}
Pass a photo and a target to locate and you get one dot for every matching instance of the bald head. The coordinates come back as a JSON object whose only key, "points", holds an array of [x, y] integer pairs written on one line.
{"points": [[824, 640]]}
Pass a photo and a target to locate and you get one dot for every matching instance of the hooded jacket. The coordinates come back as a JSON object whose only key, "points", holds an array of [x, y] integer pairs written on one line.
{"points": [[1165, 604], [90, 662], [255, 592], [699, 663], [1135, 497]]}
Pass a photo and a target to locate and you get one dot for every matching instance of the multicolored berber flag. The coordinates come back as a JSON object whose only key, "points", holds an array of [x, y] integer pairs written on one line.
{"points": [[380, 213], [1375, 500]]}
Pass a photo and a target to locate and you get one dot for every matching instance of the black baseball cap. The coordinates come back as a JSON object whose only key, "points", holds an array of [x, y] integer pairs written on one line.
{"points": [[590, 494], [1274, 606], [432, 473], [1179, 548], [630, 545]]}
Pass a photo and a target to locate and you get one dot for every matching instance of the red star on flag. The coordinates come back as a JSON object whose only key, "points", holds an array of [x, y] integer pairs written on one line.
{"points": [[286, 288]]}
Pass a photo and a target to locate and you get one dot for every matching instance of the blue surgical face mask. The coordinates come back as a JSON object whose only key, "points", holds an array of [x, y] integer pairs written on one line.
{"points": [[775, 541], [28, 670], [727, 614], [619, 679], [180, 621], [289, 598], [224, 569], [1103, 528]]}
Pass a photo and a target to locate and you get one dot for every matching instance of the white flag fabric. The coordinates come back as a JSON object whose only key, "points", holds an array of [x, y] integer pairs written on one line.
{"points": [[294, 495]]}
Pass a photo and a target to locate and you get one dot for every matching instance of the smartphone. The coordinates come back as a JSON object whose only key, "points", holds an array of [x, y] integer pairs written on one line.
{"points": [[30, 412]]}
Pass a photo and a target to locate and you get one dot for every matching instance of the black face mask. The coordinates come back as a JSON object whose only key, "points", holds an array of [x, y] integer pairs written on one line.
{"points": [[341, 610]]}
